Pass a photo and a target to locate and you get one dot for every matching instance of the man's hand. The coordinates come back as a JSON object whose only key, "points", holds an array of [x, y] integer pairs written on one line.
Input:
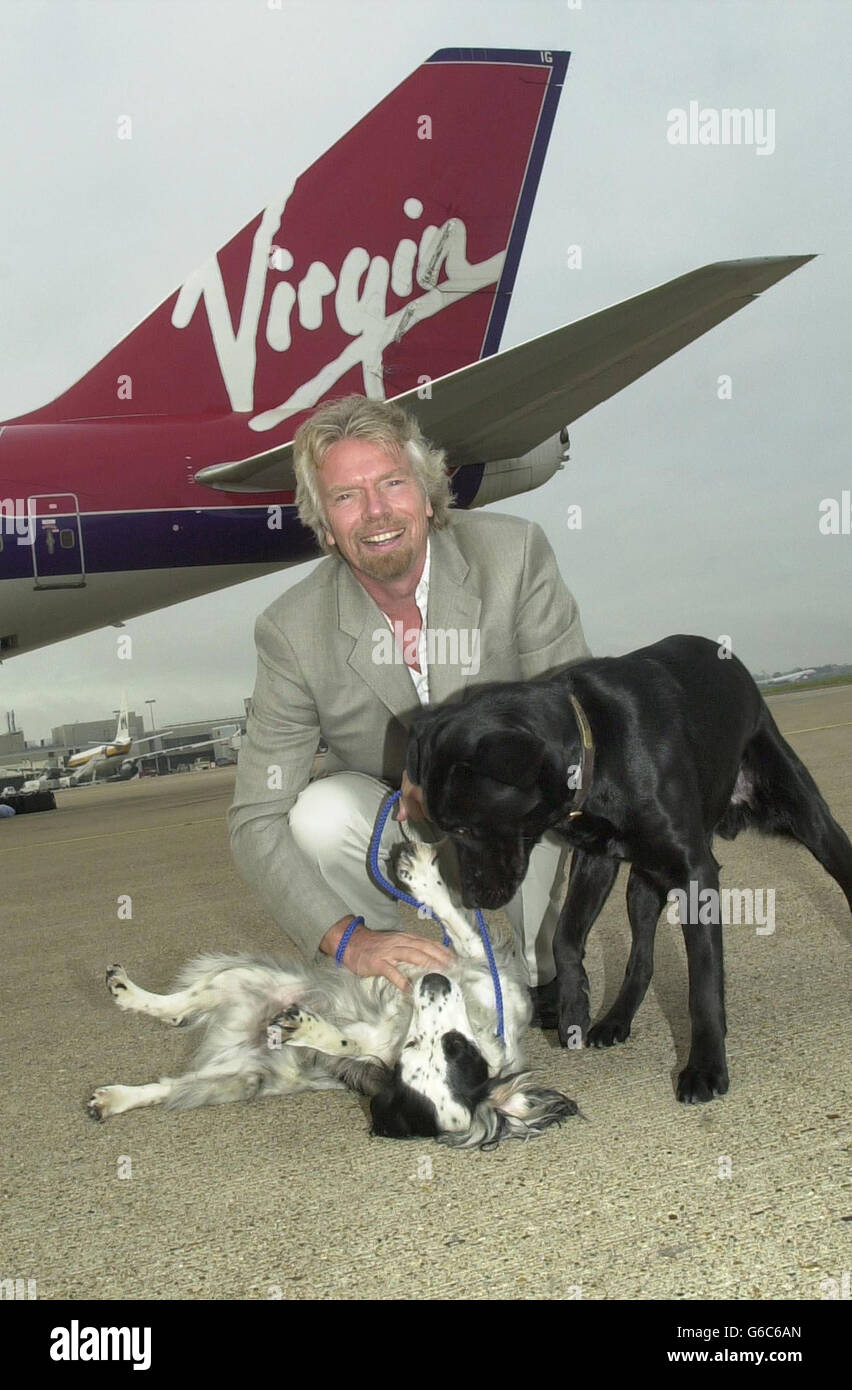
{"points": [[379, 952], [410, 805]]}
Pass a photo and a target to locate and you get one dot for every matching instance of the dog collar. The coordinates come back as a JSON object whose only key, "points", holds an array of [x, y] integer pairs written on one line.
{"points": [[587, 757]]}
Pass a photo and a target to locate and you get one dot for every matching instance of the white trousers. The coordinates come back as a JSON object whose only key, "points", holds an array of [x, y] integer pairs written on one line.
{"points": [[332, 823]]}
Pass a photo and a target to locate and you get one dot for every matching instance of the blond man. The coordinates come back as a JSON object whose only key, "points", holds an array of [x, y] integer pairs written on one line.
{"points": [[415, 603]]}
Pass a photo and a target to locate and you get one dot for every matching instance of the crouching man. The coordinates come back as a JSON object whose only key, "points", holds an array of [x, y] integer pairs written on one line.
{"points": [[416, 603]]}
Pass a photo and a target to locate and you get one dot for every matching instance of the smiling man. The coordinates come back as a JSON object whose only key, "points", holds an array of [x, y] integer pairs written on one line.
{"points": [[416, 604]]}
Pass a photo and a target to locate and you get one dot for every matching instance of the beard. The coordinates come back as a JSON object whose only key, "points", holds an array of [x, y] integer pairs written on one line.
{"points": [[391, 564]]}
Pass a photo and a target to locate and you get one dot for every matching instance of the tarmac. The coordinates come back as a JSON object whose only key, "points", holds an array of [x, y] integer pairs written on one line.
{"points": [[749, 1197]]}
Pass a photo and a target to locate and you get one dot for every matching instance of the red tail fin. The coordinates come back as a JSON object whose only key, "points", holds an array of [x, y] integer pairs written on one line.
{"points": [[390, 261]]}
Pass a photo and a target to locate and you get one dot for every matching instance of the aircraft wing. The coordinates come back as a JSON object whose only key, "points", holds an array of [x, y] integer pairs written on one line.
{"points": [[503, 406], [184, 748]]}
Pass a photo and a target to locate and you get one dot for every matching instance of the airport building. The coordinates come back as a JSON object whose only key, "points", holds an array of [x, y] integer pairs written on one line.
{"points": [[94, 731], [12, 743]]}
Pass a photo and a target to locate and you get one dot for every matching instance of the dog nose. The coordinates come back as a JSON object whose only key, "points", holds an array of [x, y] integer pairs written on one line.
{"points": [[434, 986]]}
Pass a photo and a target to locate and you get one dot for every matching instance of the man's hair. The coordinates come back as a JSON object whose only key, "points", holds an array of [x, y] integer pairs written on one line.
{"points": [[379, 422]]}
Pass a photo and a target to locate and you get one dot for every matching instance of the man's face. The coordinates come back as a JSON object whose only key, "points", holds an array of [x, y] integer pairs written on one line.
{"points": [[378, 515]]}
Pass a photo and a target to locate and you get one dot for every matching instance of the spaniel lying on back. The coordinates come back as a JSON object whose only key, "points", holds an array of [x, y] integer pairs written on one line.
{"points": [[429, 1060]]}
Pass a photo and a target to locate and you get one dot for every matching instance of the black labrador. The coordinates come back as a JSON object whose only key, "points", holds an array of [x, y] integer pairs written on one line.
{"points": [[642, 758]]}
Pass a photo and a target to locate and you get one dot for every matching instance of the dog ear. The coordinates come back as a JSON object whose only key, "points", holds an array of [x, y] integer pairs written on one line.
{"points": [[513, 1108], [413, 757], [513, 756], [420, 735], [530, 1109], [461, 788]]}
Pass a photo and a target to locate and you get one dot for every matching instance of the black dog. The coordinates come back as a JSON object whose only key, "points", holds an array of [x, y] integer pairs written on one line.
{"points": [[642, 758]]}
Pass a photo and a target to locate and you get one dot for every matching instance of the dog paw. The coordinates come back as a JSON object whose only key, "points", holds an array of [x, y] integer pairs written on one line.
{"points": [[416, 870], [118, 984], [288, 1022], [607, 1032], [696, 1085], [300, 1028], [100, 1104]]}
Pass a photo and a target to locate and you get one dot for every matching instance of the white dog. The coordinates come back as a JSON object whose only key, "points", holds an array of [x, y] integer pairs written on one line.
{"points": [[429, 1060]]}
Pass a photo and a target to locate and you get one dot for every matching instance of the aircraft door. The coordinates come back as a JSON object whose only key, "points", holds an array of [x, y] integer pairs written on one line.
{"points": [[57, 541]]}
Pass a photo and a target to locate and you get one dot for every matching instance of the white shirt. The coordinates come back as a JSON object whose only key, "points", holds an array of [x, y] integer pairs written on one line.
{"points": [[421, 598]]}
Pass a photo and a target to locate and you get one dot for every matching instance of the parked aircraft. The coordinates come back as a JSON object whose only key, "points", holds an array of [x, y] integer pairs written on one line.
{"points": [[789, 677], [387, 268], [115, 761]]}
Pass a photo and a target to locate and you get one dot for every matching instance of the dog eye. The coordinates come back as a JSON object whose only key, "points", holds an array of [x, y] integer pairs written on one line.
{"points": [[463, 831]]}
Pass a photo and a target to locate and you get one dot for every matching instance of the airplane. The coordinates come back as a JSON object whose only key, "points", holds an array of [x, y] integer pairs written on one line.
{"points": [[790, 676], [386, 269], [115, 758]]}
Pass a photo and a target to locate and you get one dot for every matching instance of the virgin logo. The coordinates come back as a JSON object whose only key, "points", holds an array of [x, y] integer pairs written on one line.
{"points": [[361, 311]]}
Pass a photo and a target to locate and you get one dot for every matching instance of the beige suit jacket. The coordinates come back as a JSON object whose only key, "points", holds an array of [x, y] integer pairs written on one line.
{"points": [[318, 674]]}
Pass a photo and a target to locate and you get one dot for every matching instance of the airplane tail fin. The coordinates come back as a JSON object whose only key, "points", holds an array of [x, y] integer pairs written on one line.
{"points": [[390, 262], [122, 729]]}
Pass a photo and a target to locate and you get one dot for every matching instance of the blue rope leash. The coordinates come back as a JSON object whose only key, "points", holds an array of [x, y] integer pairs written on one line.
{"points": [[381, 820]]}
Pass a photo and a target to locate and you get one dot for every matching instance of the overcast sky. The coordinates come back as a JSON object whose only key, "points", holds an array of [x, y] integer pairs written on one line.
{"points": [[699, 514]]}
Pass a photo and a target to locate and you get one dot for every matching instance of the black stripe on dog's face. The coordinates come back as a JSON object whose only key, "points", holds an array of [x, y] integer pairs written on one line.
{"points": [[445, 1103], [400, 1113], [441, 1075]]}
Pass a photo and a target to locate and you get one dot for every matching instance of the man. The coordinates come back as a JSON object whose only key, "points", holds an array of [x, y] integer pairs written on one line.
{"points": [[416, 603]]}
